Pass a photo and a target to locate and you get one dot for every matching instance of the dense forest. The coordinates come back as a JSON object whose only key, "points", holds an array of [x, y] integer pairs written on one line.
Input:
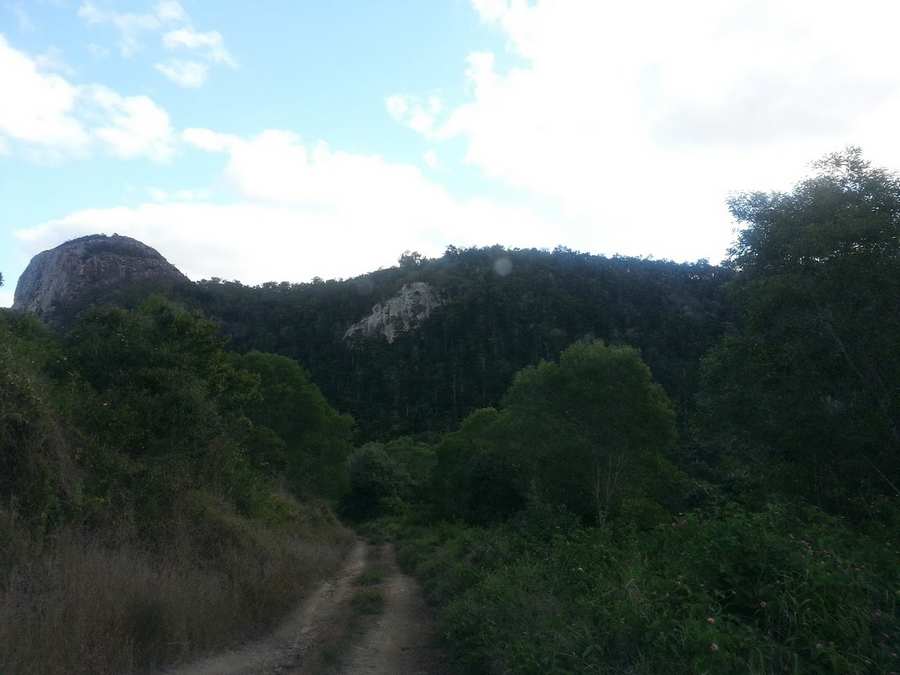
{"points": [[491, 325], [594, 465]]}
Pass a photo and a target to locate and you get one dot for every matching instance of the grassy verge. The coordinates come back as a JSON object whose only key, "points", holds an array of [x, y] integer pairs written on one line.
{"points": [[368, 601], [730, 592], [106, 602]]}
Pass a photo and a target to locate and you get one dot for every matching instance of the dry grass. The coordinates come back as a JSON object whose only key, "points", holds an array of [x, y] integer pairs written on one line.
{"points": [[85, 605]]}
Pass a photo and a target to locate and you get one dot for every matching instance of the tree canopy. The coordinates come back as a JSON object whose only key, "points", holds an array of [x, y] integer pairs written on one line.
{"points": [[810, 375], [577, 432]]}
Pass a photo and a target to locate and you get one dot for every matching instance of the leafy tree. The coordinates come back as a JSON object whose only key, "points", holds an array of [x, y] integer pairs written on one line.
{"points": [[411, 259], [417, 461], [316, 439], [37, 478], [376, 482], [809, 379], [162, 376], [159, 390], [593, 419], [483, 474], [585, 433]]}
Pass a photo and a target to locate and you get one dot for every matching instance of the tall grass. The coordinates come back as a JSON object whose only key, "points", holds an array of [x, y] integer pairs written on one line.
{"points": [[106, 601]]}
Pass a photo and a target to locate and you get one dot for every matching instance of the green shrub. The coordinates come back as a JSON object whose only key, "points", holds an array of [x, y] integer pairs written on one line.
{"points": [[774, 591]]}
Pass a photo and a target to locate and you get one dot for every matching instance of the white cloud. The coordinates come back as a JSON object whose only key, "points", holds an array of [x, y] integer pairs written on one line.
{"points": [[210, 141], [418, 114], [188, 74], [302, 210], [133, 126], [431, 159], [131, 27], [38, 107], [169, 10], [397, 106], [52, 118], [211, 44], [160, 195], [171, 17], [640, 118], [6, 297]]}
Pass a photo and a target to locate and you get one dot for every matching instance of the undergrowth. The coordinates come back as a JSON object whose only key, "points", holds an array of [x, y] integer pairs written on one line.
{"points": [[776, 591]]}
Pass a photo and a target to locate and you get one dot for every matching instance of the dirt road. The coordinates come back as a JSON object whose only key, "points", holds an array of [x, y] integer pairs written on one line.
{"points": [[369, 619], [402, 639]]}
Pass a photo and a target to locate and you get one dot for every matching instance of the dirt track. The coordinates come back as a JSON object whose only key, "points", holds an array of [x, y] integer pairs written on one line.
{"points": [[327, 634], [402, 640]]}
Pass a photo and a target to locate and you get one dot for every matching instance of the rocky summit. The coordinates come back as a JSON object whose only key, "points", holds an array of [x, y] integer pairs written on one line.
{"points": [[59, 282]]}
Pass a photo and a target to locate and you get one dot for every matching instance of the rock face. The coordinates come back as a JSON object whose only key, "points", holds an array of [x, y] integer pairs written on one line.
{"points": [[59, 282], [399, 314]]}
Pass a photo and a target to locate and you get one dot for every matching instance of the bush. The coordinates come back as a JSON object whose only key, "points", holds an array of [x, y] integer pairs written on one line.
{"points": [[377, 483], [730, 592]]}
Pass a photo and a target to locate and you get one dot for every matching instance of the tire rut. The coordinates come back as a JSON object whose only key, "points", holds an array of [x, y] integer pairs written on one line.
{"points": [[297, 646], [327, 635], [403, 638]]}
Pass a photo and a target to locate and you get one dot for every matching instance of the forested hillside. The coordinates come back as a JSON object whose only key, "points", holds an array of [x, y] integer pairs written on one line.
{"points": [[492, 324]]}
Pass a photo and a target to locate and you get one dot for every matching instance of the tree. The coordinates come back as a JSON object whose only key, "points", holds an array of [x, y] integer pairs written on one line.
{"points": [[411, 259], [376, 482], [38, 479], [595, 417], [162, 377], [316, 438], [810, 377], [585, 433], [483, 473]]}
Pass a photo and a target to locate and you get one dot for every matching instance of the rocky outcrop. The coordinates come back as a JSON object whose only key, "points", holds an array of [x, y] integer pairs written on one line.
{"points": [[59, 282], [399, 314]]}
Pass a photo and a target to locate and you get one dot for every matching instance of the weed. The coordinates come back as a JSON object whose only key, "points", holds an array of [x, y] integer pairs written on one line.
{"points": [[371, 577], [368, 601]]}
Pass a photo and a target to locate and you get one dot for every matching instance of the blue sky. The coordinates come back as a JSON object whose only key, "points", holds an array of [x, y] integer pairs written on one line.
{"points": [[286, 140]]}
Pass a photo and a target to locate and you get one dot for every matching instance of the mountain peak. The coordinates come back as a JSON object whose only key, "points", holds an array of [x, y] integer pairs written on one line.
{"points": [[59, 282]]}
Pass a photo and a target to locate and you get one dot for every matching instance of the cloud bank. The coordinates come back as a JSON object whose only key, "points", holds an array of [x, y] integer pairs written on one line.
{"points": [[301, 210], [641, 118]]}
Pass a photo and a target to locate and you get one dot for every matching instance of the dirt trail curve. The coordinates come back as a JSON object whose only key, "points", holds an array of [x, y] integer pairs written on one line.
{"points": [[325, 636]]}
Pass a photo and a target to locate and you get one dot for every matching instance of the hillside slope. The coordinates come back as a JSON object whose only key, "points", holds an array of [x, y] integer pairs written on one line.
{"points": [[500, 310]]}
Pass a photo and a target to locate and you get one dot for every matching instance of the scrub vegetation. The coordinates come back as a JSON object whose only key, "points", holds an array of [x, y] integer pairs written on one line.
{"points": [[148, 511]]}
